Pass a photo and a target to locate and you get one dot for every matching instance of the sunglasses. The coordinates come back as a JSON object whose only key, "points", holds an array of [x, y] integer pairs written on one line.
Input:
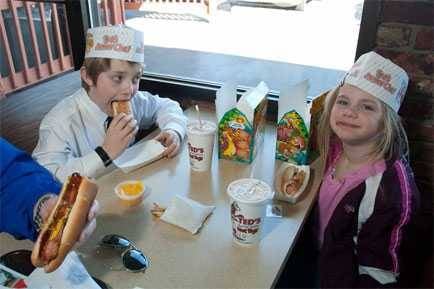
{"points": [[132, 258], [19, 261]]}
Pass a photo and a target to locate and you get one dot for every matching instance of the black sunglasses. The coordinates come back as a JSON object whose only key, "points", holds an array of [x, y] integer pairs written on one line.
{"points": [[133, 259], [19, 261]]}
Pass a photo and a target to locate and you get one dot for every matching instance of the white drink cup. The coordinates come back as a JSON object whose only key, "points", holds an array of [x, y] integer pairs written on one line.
{"points": [[248, 201], [200, 142]]}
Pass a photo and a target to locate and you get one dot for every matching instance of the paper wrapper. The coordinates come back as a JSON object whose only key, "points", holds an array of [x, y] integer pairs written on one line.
{"points": [[70, 275], [139, 155], [290, 182]]}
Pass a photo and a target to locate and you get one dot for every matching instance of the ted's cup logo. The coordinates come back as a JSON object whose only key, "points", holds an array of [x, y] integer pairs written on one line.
{"points": [[196, 153], [243, 228]]}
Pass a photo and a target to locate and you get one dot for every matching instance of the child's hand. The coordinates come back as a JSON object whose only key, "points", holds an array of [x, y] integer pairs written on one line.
{"points": [[91, 224], [121, 131], [170, 139], [49, 205]]}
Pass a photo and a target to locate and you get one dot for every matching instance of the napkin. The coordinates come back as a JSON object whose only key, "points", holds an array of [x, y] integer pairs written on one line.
{"points": [[139, 155], [186, 213], [70, 275]]}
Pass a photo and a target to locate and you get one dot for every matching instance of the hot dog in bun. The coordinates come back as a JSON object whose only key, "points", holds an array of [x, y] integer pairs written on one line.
{"points": [[65, 223], [119, 106], [292, 180]]}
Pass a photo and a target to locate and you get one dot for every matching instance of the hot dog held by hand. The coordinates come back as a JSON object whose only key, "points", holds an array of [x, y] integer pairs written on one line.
{"points": [[64, 225], [119, 106]]}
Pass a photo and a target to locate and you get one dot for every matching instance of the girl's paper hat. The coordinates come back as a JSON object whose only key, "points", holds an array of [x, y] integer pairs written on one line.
{"points": [[115, 42], [379, 77]]}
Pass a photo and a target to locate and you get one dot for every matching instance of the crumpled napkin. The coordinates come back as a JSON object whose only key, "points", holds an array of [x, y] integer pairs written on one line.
{"points": [[186, 213], [70, 275]]}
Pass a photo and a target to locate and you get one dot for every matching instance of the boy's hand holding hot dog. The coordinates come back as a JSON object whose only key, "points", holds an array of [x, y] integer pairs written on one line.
{"points": [[121, 130]]}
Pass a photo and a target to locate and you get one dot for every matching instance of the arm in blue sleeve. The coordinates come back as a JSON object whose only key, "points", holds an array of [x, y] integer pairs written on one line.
{"points": [[23, 182]]}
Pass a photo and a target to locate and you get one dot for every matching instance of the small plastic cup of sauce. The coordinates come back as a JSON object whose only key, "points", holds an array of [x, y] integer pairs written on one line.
{"points": [[131, 193]]}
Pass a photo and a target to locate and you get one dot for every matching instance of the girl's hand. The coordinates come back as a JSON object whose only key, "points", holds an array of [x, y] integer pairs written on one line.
{"points": [[120, 133]]}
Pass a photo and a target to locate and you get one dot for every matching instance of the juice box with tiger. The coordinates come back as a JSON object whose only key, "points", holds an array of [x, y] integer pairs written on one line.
{"points": [[241, 129], [292, 136]]}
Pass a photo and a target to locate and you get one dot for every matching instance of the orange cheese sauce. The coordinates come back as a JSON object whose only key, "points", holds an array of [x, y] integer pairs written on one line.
{"points": [[131, 189]]}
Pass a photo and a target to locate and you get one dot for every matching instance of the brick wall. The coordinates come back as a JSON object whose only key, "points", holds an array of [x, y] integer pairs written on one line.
{"points": [[406, 35]]}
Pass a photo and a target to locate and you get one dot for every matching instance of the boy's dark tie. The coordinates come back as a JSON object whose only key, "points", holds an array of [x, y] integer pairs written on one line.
{"points": [[107, 122]]}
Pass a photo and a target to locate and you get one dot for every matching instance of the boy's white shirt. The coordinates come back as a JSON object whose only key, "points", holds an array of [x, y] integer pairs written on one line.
{"points": [[71, 131]]}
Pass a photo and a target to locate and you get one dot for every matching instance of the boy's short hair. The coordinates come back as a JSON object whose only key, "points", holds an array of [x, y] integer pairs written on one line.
{"points": [[95, 66]]}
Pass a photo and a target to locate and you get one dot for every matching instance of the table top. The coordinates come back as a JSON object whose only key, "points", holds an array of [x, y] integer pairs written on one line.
{"points": [[208, 259]]}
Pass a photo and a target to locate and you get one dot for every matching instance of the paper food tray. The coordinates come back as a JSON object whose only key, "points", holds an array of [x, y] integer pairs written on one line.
{"points": [[281, 181], [139, 155]]}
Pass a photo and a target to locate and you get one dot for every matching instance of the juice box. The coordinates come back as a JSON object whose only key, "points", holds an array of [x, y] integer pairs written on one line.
{"points": [[241, 129]]}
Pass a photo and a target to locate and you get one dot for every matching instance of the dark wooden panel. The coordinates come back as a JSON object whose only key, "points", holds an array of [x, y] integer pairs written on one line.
{"points": [[22, 111]]}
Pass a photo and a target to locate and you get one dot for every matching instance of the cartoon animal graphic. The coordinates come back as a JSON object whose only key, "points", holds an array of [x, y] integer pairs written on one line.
{"points": [[228, 145], [242, 144]]}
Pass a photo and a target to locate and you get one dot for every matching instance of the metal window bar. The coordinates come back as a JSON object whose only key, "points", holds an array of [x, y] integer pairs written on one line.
{"points": [[42, 26], [23, 64], [35, 44], [20, 40]]}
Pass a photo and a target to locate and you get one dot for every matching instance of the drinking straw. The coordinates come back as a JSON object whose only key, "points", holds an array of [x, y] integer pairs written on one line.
{"points": [[252, 169], [198, 115]]}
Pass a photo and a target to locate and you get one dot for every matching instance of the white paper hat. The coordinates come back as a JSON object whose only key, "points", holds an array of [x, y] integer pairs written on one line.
{"points": [[379, 77], [115, 42]]}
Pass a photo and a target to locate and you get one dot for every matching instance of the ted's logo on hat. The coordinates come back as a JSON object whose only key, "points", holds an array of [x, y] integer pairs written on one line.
{"points": [[381, 79], [111, 42], [115, 42]]}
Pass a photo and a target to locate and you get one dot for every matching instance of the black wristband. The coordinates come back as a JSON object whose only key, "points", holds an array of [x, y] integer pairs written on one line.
{"points": [[104, 156]]}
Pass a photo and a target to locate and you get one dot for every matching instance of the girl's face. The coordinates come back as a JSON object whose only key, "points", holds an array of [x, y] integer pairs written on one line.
{"points": [[120, 82], [356, 116]]}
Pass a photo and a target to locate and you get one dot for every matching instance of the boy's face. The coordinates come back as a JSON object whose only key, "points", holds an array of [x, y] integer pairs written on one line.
{"points": [[120, 82], [356, 117]]}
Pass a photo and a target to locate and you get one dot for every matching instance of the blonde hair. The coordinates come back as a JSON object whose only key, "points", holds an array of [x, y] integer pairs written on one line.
{"points": [[95, 66], [391, 144]]}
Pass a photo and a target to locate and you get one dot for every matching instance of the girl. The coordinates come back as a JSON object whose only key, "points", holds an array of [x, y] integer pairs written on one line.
{"points": [[368, 195]]}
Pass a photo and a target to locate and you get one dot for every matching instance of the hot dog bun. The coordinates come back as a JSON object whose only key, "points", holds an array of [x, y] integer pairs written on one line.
{"points": [[119, 106], [287, 175], [292, 180], [65, 223]]}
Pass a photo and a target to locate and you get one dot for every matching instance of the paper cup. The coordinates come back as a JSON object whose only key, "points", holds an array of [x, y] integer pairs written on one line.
{"points": [[248, 201], [200, 141]]}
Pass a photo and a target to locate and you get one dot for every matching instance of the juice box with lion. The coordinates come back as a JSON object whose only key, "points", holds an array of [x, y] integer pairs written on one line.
{"points": [[241, 129]]}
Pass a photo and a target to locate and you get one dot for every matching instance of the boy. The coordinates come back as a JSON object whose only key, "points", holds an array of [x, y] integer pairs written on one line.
{"points": [[78, 134]]}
